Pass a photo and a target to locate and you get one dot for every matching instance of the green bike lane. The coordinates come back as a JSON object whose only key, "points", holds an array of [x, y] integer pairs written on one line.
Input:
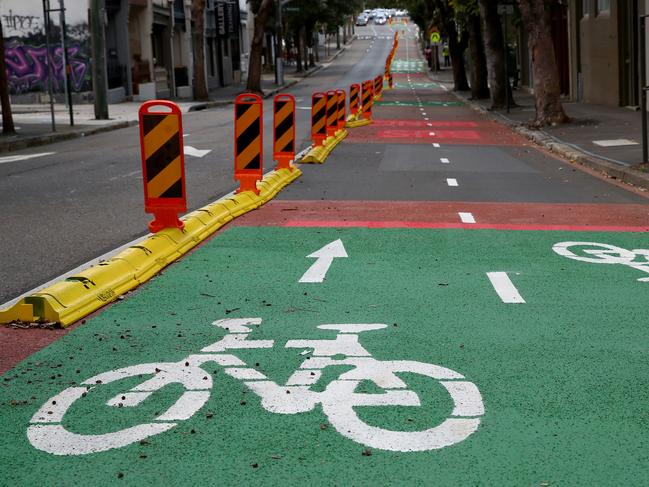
{"points": [[383, 342]]}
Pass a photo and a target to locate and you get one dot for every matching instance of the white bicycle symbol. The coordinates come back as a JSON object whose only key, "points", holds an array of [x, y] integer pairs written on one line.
{"points": [[598, 253], [337, 400]]}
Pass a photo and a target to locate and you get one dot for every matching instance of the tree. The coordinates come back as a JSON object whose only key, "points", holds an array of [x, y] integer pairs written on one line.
{"points": [[469, 12], [198, 48], [495, 50], [261, 9], [547, 90], [7, 118]]}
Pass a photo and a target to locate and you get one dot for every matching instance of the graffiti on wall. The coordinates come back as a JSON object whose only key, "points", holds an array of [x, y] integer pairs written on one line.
{"points": [[27, 67], [26, 55]]}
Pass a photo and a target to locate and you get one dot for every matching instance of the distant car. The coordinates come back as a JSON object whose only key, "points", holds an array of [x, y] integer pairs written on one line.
{"points": [[380, 20], [362, 20]]}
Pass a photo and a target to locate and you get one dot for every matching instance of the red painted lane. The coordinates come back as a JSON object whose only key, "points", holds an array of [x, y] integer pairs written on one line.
{"points": [[456, 124], [489, 133], [445, 214], [466, 226], [18, 344]]}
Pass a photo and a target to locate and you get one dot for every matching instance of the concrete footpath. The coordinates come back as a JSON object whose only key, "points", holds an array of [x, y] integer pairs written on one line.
{"points": [[606, 139], [34, 122]]}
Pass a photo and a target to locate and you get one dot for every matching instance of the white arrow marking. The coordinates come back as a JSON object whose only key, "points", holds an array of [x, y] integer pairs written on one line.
{"points": [[325, 257], [193, 151], [24, 157]]}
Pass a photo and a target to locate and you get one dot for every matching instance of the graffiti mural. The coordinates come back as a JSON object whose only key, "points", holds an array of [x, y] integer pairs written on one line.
{"points": [[27, 68], [26, 55]]}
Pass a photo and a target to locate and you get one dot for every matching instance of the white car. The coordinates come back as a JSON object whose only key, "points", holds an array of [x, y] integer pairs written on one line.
{"points": [[380, 20]]}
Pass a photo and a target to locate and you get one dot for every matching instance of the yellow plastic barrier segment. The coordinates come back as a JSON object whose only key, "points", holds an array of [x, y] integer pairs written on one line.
{"points": [[70, 300]]}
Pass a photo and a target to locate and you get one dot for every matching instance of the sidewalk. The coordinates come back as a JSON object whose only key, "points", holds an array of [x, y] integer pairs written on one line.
{"points": [[33, 122], [607, 139]]}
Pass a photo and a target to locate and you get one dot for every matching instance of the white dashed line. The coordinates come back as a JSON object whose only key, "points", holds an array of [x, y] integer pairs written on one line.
{"points": [[431, 133], [436, 145], [452, 182], [466, 217], [444, 160], [505, 288]]}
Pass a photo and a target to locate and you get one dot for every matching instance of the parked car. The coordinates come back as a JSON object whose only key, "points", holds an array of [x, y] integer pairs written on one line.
{"points": [[380, 20], [362, 20]]}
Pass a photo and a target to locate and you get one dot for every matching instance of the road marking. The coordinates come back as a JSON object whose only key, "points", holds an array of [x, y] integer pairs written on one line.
{"points": [[24, 157], [194, 152], [325, 257], [466, 217], [444, 160], [505, 288], [614, 142], [435, 144], [431, 133], [451, 182]]}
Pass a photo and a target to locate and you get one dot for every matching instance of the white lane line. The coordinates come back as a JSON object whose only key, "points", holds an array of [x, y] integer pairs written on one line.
{"points": [[436, 145], [505, 288], [431, 133], [452, 182], [444, 160], [194, 152], [24, 157], [466, 217]]}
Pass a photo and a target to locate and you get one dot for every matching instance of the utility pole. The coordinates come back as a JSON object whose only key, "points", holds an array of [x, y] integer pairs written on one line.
{"points": [[643, 85], [279, 63], [66, 62], [99, 84], [48, 57]]}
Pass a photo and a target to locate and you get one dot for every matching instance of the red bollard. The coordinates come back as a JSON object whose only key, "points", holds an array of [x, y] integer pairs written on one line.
{"points": [[367, 98], [354, 99], [332, 113], [163, 163], [284, 133], [248, 141], [342, 119], [318, 118]]}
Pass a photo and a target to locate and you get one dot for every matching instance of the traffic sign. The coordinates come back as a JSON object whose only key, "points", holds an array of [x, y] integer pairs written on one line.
{"points": [[435, 37]]}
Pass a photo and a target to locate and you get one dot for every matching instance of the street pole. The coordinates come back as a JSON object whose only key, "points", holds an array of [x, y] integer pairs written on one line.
{"points": [[643, 85], [506, 61], [98, 59], [46, 18], [66, 63], [279, 71]]}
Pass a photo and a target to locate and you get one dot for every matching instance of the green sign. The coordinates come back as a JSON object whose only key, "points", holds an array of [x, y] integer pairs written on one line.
{"points": [[435, 37]]}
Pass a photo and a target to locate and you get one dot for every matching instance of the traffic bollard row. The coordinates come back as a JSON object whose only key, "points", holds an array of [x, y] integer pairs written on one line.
{"points": [[163, 159]]}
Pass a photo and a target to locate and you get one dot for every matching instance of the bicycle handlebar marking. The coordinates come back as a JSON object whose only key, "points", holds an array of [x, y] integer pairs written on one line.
{"points": [[338, 400]]}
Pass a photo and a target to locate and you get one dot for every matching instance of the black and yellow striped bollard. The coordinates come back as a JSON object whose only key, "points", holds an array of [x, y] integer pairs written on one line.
{"points": [[284, 133], [318, 118], [248, 142], [342, 119], [163, 163], [332, 113], [367, 99], [354, 99]]}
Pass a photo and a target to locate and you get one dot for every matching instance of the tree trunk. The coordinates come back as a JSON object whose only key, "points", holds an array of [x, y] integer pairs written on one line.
{"points": [[547, 89], [198, 45], [456, 48], [495, 51], [298, 53], [254, 66], [309, 45], [7, 118], [305, 51], [316, 46], [479, 83]]}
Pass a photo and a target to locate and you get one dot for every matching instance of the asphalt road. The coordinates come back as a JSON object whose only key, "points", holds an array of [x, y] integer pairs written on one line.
{"points": [[86, 199]]}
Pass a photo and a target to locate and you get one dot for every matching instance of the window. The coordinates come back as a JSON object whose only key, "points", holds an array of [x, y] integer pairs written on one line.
{"points": [[603, 6]]}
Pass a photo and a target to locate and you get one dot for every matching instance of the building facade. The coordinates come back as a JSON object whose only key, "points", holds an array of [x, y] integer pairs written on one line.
{"points": [[149, 52]]}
